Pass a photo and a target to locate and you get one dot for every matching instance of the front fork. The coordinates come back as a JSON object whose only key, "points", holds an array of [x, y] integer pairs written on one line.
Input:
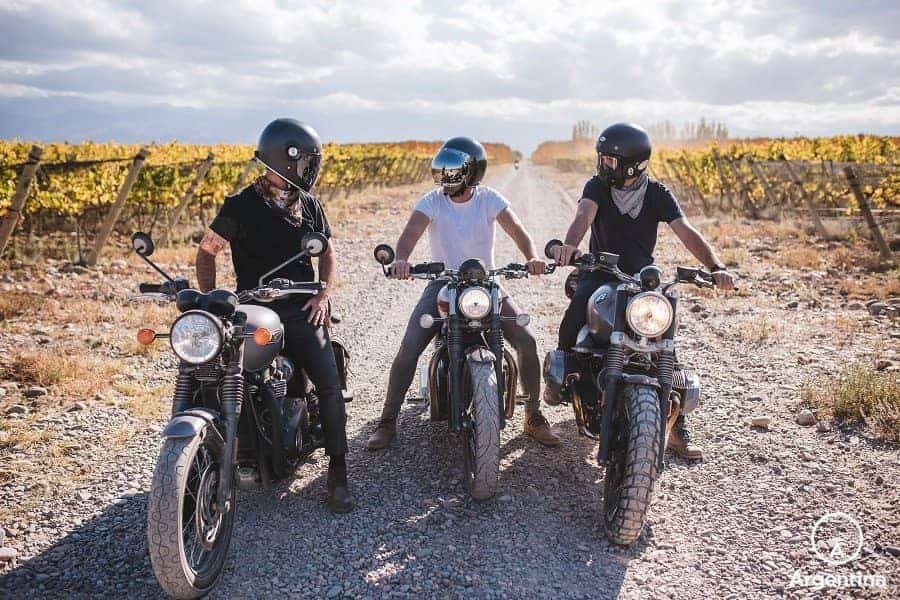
{"points": [[454, 353], [495, 343], [232, 399]]}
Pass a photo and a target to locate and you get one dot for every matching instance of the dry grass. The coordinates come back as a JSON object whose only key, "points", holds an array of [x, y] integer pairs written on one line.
{"points": [[144, 402], [14, 304], [803, 257], [760, 331], [859, 394], [68, 373]]}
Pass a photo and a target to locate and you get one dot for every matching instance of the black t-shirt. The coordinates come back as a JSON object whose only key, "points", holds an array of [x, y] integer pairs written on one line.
{"points": [[632, 239], [263, 235]]}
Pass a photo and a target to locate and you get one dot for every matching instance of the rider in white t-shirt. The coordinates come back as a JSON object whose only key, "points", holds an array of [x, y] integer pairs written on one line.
{"points": [[460, 216]]}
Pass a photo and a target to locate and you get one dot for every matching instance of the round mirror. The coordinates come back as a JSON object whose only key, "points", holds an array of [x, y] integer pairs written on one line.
{"points": [[315, 243], [548, 249], [384, 254], [522, 320], [142, 243], [426, 321]]}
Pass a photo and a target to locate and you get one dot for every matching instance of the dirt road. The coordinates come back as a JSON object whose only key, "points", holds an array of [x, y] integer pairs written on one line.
{"points": [[736, 525]]}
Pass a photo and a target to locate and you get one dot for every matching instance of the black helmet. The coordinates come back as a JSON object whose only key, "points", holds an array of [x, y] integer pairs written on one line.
{"points": [[459, 164], [291, 150], [626, 149]]}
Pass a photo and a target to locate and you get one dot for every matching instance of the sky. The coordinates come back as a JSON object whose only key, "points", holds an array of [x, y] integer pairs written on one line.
{"points": [[516, 72]]}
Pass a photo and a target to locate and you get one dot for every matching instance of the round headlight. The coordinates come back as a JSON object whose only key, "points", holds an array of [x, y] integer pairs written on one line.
{"points": [[475, 303], [649, 314], [196, 337]]}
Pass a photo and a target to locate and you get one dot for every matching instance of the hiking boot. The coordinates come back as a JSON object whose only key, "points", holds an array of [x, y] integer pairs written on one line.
{"points": [[537, 427], [383, 434], [680, 441], [339, 499]]}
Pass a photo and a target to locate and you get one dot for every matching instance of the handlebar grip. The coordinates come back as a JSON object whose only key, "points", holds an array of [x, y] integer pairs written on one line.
{"points": [[150, 288], [419, 269], [516, 267]]}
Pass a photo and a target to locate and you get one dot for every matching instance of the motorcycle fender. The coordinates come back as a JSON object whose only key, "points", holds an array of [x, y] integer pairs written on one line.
{"points": [[635, 379], [190, 423]]}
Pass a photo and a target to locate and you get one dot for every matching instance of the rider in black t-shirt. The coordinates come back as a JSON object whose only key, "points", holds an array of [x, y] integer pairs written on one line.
{"points": [[623, 208], [264, 224]]}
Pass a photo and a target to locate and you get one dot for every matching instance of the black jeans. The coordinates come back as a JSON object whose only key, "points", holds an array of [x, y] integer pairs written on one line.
{"points": [[576, 314], [309, 347]]}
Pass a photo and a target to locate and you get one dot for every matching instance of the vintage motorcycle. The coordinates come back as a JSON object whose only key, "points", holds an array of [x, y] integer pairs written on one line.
{"points": [[468, 383], [623, 382], [241, 414]]}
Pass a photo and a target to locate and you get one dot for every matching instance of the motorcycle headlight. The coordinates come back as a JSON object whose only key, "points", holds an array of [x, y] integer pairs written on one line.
{"points": [[649, 314], [196, 337], [475, 303]]}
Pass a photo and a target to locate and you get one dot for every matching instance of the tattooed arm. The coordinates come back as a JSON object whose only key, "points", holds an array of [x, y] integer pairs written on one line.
{"points": [[211, 244]]}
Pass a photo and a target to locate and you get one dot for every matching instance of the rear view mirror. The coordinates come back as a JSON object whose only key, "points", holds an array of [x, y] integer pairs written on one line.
{"points": [[548, 249], [142, 243], [314, 243], [384, 254]]}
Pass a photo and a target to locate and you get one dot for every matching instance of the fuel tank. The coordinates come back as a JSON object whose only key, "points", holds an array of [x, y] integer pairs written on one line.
{"points": [[601, 311], [258, 357]]}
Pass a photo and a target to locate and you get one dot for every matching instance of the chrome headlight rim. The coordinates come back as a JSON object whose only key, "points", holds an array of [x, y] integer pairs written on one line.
{"points": [[629, 310], [217, 328], [471, 293]]}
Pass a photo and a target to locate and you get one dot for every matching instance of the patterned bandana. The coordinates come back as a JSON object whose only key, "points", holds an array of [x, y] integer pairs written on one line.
{"points": [[630, 200], [293, 204]]}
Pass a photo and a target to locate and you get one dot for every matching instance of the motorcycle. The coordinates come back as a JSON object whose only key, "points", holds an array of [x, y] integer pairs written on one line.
{"points": [[242, 415], [623, 383], [471, 379]]}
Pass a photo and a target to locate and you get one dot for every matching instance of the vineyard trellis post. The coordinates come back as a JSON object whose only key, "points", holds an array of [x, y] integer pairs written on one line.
{"points": [[243, 176], [20, 196], [853, 180], [759, 174], [202, 171], [807, 199], [116, 209], [745, 189], [727, 194]]}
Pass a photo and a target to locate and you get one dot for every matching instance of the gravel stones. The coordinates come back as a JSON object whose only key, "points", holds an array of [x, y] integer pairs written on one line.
{"points": [[35, 392], [806, 418], [761, 421]]}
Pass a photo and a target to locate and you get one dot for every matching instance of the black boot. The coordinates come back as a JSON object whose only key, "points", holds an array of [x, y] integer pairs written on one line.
{"points": [[339, 498]]}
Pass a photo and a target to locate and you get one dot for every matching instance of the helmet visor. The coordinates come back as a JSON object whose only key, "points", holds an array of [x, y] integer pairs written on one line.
{"points": [[608, 161], [307, 170], [450, 168]]}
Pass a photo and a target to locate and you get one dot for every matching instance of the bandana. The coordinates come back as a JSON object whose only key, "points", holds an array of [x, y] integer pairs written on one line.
{"points": [[630, 200]]}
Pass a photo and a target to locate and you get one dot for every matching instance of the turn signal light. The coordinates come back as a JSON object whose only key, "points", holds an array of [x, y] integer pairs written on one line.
{"points": [[145, 336], [262, 336]]}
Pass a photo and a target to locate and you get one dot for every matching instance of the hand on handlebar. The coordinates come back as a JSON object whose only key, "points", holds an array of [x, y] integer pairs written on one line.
{"points": [[565, 254], [723, 279], [536, 266], [400, 269]]}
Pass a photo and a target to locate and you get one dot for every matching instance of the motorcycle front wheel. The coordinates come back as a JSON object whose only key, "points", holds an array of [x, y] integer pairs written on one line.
{"points": [[482, 443], [187, 538], [632, 469]]}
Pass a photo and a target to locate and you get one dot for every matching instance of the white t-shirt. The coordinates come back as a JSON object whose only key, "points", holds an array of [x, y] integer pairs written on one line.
{"points": [[459, 231]]}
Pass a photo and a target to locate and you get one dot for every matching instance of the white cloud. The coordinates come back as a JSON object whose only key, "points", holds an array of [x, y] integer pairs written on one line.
{"points": [[524, 70]]}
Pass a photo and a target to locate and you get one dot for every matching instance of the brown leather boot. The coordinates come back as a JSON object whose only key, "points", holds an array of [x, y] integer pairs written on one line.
{"points": [[680, 441], [537, 427], [339, 499], [383, 434]]}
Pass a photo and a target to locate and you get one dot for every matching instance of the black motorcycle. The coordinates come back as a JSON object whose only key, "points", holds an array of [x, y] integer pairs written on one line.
{"points": [[468, 384], [623, 383], [241, 414]]}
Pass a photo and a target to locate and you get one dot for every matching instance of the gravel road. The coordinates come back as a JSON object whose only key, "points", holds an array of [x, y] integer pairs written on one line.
{"points": [[736, 525]]}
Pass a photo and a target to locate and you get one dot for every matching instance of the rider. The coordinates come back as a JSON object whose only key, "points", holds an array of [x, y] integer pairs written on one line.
{"points": [[264, 224], [460, 216], [623, 207]]}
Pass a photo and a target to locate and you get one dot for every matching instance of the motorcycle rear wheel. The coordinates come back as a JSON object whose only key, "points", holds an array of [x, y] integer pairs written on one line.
{"points": [[632, 469], [481, 445], [186, 539]]}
